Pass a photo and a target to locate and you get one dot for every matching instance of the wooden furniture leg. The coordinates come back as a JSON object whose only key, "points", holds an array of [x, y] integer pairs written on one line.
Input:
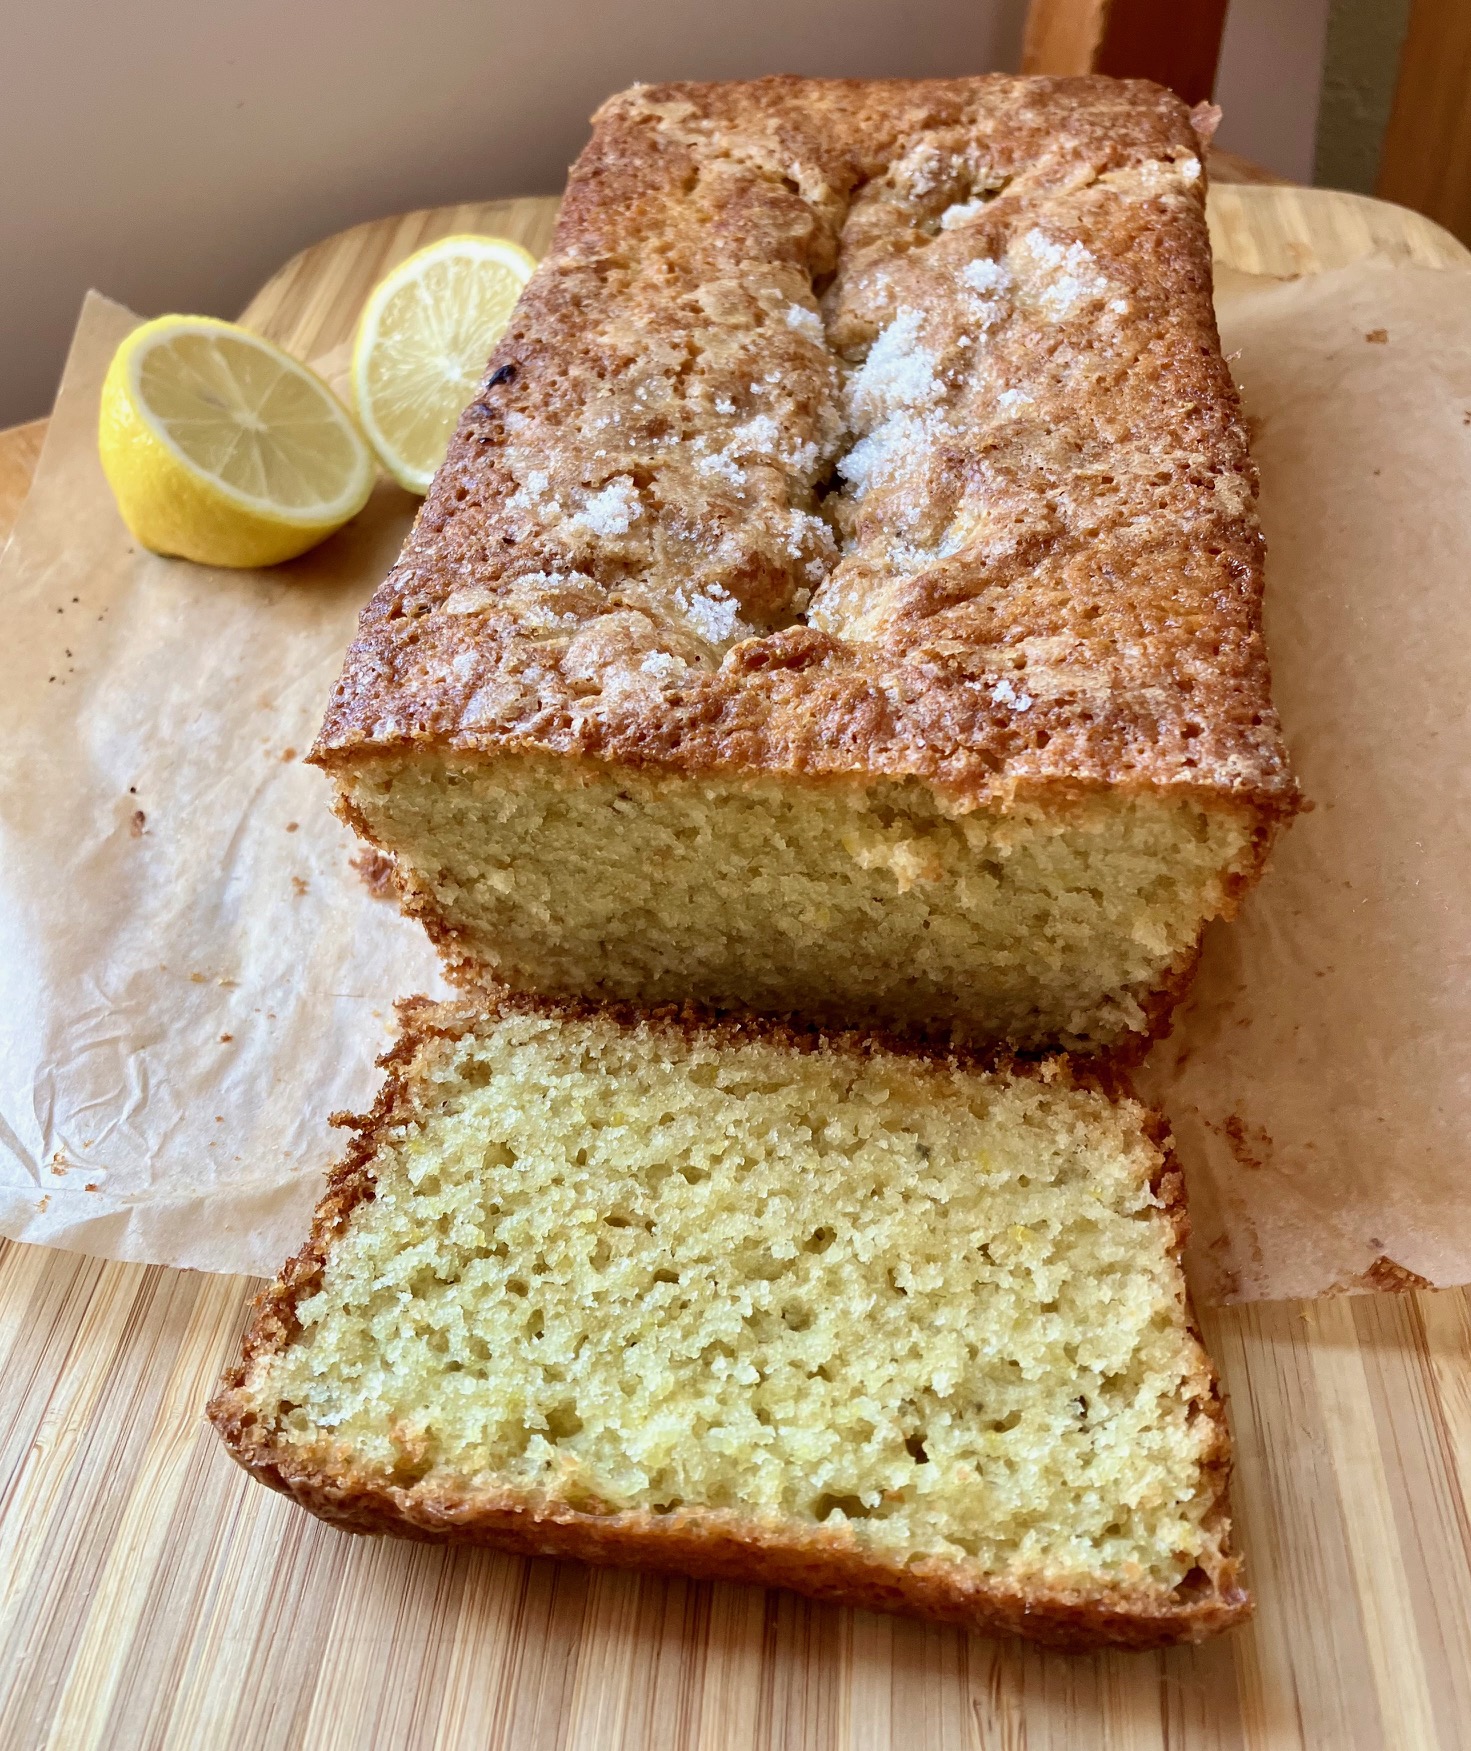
{"points": [[1175, 42]]}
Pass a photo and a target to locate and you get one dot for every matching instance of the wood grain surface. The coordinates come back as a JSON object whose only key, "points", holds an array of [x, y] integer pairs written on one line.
{"points": [[153, 1595]]}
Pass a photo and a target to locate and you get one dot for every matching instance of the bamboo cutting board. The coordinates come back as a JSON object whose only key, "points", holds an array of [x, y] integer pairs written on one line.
{"points": [[152, 1595]]}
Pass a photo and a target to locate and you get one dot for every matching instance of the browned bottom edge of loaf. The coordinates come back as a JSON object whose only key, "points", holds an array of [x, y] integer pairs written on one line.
{"points": [[711, 1546], [819, 1561], [475, 978]]}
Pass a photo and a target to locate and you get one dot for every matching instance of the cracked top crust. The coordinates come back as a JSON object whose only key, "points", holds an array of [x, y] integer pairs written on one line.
{"points": [[875, 429]]}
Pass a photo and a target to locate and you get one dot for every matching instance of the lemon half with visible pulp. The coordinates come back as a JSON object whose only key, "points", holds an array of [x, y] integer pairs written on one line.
{"points": [[223, 449], [422, 343]]}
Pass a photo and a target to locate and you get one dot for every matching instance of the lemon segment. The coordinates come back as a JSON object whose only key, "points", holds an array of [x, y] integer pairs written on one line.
{"points": [[422, 343], [223, 449]]}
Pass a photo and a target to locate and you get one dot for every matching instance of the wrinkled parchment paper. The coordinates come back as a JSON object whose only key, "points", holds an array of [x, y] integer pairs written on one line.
{"points": [[192, 975], [1318, 1078]]}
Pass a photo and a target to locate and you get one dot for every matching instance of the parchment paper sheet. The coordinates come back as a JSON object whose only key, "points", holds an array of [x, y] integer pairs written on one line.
{"points": [[1318, 1078], [189, 984]]}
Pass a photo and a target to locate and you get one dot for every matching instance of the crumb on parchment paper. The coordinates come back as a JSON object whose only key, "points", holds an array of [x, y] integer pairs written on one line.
{"points": [[375, 869], [1385, 1276]]}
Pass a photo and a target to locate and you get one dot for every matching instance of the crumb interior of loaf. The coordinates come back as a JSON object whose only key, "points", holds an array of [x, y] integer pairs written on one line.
{"points": [[639, 1270], [1036, 926]]}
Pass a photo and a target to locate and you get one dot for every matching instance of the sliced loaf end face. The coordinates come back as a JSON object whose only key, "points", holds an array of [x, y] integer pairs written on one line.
{"points": [[760, 1305]]}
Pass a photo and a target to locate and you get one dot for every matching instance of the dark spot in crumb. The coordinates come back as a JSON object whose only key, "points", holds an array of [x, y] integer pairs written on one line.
{"points": [[506, 374], [1377, 337], [375, 870], [139, 824]]}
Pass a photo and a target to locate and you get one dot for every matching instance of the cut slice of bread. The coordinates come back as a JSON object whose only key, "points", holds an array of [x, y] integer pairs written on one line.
{"points": [[802, 1310]]}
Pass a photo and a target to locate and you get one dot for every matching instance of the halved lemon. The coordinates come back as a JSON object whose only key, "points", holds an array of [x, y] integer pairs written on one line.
{"points": [[223, 449], [422, 343]]}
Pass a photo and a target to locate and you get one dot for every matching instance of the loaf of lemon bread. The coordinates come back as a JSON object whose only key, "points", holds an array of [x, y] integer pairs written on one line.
{"points": [[753, 1303], [844, 595]]}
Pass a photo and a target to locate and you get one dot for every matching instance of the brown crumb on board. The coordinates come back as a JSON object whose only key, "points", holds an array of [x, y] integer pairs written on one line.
{"points": [[375, 868], [1383, 1277], [300, 886], [1377, 337], [1390, 1278], [138, 824]]}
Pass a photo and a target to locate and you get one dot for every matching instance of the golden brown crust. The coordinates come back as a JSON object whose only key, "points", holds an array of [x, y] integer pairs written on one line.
{"points": [[727, 1547], [1048, 579], [823, 1561]]}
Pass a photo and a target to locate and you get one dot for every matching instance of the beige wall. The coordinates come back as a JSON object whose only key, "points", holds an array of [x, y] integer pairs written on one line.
{"points": [[174, 152], [1269, 79], [1360, 67]]}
